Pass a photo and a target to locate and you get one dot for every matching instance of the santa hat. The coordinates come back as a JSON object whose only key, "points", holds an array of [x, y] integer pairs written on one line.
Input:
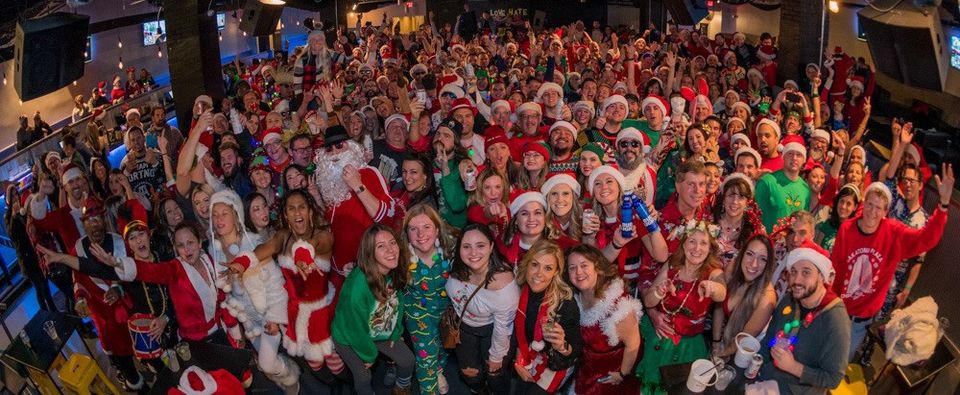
{"points": [[742, 137], [793, 143], [584, 105], [754, 71], [771, 123], [788, 83], [419, 67], [397, 117], [863, 154], [547, 87], [732, 92], [131, 111], [878, 186], [633, 133], [748, 151], [913, 151], [737, 176], [565, 125], [855, 81], [558, 179], [820, 134], [454, 89], [501, 103], [270, 135], [195, 381], [526, 197], [837, 50], [746, 107], [611, 100], [539, 147], [511, 45], [462, 102], [204, 99], [608, 170], [654, 101], [814, 254], [729, 55], [529, 106], [92, 207], [814, 65], [70, 172], [767, 52]]}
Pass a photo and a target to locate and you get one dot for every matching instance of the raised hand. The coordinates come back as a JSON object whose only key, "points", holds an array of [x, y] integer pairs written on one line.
{"points": [[906, 133], [945, 183]]}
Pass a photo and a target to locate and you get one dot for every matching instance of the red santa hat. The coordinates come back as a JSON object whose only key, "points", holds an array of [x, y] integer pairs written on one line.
{"points": [[131, 111], [204, 99], [502, 103], [92, 207], [855, 81], [814, 254], [611, 100], [549, 86], [657, 101], [913, 151], [560, 179], [526, 197], [767, 52], [271, 135], [397, 117], [608, 170], [454, 89], [195, 381], [754, 71], [633, 133], [71, 171], [462, 102], [793, 143], [205, 145]]}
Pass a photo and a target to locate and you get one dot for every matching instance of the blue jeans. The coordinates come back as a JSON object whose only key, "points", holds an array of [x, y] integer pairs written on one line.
{"points": [[858, 332]]}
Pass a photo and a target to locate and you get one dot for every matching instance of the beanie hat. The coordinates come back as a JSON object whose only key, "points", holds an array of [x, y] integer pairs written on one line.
{"points": [[558, 179], [455, 126], [599, 149], [494, 135], [539, 147], [613, 99], [609, 170], [524, 198]]}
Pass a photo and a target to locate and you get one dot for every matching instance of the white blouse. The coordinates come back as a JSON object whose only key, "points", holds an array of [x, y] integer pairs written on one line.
{"points": [[498, 307]]}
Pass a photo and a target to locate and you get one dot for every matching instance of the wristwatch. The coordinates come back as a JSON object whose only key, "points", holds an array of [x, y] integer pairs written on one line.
{"points": [[360, 190]]}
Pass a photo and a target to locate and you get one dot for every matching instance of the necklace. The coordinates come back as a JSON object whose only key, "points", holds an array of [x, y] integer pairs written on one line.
{"points": [[679, 309], [787, 336]]}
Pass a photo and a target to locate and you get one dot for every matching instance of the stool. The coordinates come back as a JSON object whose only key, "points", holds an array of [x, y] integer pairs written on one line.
{"points": [[82, 374], [852, 383], [44, 383]]}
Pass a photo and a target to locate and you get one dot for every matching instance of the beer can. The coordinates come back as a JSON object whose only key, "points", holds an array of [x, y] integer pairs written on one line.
{"points": [[754, 368]]}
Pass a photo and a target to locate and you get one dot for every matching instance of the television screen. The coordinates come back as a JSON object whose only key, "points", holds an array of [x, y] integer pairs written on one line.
{"points": [[221, 20], [955, 52], [154, 32]]}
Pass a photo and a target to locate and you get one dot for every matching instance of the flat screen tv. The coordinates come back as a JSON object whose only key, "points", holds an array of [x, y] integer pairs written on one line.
{"points": [[153, 32]]}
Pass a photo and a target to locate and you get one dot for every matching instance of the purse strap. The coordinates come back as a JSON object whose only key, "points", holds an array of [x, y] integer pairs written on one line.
{"points": [[479, 287]]}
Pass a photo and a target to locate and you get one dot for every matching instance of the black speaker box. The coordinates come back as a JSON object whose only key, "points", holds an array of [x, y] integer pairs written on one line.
{"points": [[48, 53], [260, 17], [907, 44]]}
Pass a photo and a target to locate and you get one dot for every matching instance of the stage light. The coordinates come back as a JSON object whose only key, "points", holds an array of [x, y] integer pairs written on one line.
{"points": [[834, 6]]}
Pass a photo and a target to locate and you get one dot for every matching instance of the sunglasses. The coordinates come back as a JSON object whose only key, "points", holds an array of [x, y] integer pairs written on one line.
{"points": [[338, 146], [631, 143]]}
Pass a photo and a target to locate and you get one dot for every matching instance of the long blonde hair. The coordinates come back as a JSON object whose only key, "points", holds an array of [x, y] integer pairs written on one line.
{"points": [[558, 290]]}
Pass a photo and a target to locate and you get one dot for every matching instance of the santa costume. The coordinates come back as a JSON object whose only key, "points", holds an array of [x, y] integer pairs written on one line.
{"points": [[602, 348]]}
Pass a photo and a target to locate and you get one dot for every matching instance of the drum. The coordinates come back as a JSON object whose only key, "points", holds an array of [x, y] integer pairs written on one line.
{"points": [[143, 346]]}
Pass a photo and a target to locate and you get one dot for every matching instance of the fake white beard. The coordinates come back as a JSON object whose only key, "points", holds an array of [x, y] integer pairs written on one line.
{"points": [[333, 189]]}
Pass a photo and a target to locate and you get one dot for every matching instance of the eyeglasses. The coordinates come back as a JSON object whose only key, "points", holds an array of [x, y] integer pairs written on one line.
{"points": [[330, 148], [419, 74], [909, 180], [303, 149], [629, 143]]}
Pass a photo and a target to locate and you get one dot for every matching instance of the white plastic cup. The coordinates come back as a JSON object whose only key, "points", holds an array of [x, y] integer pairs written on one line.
{"points": [[702, 375], [747, 346]]}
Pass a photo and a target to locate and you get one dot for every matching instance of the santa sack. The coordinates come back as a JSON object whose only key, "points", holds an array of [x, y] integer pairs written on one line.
{"points": [[196, 381], [913, 332]]}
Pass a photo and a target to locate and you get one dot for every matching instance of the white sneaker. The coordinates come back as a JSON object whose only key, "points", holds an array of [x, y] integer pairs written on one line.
{"points": [[442, 385]]}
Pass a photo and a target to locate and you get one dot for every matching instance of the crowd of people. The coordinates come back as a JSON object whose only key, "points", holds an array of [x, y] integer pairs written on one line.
{"points": [[569, 209]]}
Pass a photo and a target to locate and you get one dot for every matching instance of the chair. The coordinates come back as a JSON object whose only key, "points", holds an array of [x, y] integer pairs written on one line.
{"points": [[852, 383], [83, 376]]}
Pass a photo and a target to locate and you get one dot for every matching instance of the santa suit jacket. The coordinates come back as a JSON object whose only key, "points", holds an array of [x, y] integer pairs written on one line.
{"points": [[92, 282]]}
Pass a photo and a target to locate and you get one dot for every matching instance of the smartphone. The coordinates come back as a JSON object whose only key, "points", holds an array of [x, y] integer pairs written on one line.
{"points": [[422, 95], [793, 97]]}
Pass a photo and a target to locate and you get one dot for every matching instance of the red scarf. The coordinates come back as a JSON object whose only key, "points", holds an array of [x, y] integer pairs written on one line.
{"points": [[528, 354]]}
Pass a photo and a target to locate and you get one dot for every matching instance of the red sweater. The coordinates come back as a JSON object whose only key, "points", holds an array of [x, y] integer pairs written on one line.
{"points": [[865, 264]]}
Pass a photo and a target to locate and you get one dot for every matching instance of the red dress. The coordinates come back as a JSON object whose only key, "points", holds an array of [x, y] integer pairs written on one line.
{"points": [[602, 348]]}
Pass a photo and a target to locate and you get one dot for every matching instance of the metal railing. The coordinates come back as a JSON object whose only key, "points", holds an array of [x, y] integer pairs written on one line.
{"points": [[17, 167]]}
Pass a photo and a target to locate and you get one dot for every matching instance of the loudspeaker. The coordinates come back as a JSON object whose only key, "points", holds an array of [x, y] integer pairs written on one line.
{"points": [[48, 53], [907, 44], [687, 12], [260, 17]]}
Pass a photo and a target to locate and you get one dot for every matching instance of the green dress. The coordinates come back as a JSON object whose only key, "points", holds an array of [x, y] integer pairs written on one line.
{"points": [[424, 301]]}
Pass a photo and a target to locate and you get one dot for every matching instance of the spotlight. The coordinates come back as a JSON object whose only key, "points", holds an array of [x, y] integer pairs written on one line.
{"points": [[834, 6]]}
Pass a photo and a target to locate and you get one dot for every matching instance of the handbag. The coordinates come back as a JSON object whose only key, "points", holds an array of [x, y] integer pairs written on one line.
{"points": [[450, 321]]}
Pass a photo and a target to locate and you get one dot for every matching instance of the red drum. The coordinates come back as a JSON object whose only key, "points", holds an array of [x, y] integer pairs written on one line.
{"points": [[143, 346]]}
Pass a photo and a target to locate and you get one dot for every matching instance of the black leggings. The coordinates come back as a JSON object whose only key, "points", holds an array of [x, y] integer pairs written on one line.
{"points": [[473, 352]]}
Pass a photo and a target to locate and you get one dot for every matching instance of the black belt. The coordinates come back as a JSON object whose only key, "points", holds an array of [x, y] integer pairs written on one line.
{"points": [[857, 320]]}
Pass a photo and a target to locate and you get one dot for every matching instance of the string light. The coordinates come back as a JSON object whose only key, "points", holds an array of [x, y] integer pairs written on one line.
{"points": [[74, 83], [119, 43], [159, 52], [834, 6], [4, 78], [244, 34], [120, 65], [220, 36]]}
